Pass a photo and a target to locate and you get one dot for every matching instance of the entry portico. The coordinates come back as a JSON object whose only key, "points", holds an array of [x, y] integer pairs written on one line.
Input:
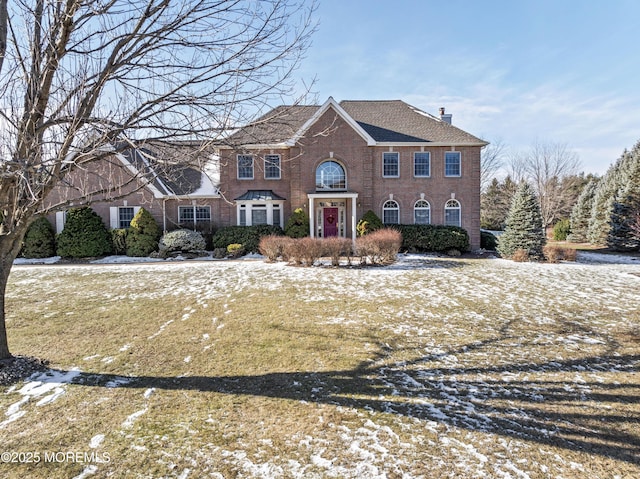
{"points": [[332, 214]]}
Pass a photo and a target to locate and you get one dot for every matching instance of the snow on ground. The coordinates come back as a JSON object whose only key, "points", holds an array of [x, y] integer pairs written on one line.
{"points": [[439, 403]]}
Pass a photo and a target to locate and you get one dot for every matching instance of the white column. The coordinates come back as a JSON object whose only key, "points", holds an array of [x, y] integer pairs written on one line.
{"points": [[312, 219], [353, 218]]}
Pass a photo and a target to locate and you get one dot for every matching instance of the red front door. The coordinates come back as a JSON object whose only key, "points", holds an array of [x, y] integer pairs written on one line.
{"points": [[330, 222]]}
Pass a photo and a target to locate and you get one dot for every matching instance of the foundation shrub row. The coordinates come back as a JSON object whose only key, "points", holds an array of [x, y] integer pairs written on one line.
{"points": [[379, 247]]}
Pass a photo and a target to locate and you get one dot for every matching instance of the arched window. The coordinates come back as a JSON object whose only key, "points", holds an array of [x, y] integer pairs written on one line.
{"points": [[422, 212], [390, 213], [330, 175], [452, 213]]}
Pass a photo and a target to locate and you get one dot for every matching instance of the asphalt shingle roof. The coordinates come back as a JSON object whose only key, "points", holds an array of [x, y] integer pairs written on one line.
{"points": [[392, 121]]}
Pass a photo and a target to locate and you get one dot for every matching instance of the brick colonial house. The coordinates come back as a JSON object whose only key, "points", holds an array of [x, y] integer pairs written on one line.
{"points": [[336, 161]]}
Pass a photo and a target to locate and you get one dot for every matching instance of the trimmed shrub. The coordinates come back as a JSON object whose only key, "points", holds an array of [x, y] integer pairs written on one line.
{"points": [[488, 241], [561, 230], [181, 241], [303, 251], [84, 235], [298, 224], [369, 223], [379, 247], [428, 238], [39, 240], [143, 236], [119, 240], [247, 236], [270, 246], [336, 248], [235, 250]]}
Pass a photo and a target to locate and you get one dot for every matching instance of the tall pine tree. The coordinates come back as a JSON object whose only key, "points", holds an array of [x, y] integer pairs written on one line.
{"points": [[524, 230], [581, 213]]}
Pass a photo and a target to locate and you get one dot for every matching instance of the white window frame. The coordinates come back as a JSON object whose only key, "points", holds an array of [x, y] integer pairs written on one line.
{"points": [[270, 159], [459, 161], [114, 215], [244, 157], [343, 175], [419, 206], [388, 155], [387, 207], [428, 154], [194, 209], [274, 210], [449, 207]]}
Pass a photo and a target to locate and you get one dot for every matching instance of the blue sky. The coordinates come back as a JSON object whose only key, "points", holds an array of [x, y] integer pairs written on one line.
{"points": [[565, 71]]}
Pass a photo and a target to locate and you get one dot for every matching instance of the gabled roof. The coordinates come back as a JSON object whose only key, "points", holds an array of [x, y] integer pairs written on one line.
{"points": [[175, 170], [378, 122]]}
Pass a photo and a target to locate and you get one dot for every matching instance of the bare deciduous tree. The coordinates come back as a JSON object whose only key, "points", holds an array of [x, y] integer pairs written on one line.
{"points": [[81, 78], [548, 166], [491, 162]]}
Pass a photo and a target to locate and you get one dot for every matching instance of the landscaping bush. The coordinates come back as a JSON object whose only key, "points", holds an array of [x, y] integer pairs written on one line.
{"points": [[144, 233], [369, 223], [520, 256], [303, 251], [270, 246], [561, 230], [235, 250], [488, 241], [84, 235], [298, 224], [379, 247], [181, 241], [554, 254], [247, 236], [40, 240], [438, 238], [336, 248], [119, 240]]}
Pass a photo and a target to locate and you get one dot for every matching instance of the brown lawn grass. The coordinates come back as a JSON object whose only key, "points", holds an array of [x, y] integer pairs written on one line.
{"points": [[448, 368]]}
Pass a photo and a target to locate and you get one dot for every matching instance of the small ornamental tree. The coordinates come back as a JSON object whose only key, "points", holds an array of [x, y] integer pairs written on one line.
{"points": [[144, 234], [524, 229], [40, 240], [369, 223], [298, 224], [84, 235]]}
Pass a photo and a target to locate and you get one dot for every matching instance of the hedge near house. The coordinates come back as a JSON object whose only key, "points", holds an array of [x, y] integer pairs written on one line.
{"points": [[144, 234], [428, 238], [84, 235], [40, 240], [369, 223], [247, 236]]}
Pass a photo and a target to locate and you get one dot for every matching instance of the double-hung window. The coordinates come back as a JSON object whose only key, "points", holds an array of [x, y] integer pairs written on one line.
{"points": [[245, 167], [272, 167], [452, 163], [194, 214], [452, 213], [421, 164], [391, 165]]}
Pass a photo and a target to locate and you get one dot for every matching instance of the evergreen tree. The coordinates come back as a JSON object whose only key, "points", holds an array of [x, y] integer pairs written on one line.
{"points": [[369, 223], [621, 233], [524, 230], [40, 240], [622, 179], [298, 224], [144, 234], [84, 235], [581, 213], [495, 204]]}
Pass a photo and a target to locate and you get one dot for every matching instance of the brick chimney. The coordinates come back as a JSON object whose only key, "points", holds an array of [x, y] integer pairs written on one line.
{"points": [[445, 117]]}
